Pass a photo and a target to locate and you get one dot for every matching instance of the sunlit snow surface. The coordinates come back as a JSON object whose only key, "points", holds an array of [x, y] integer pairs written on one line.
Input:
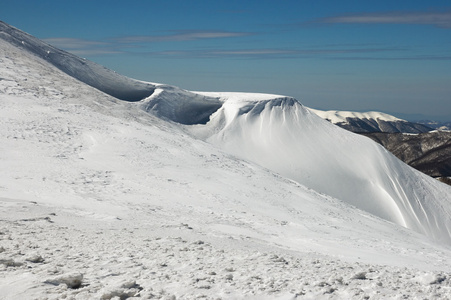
{"points": [[101, 199], [279, 133]]}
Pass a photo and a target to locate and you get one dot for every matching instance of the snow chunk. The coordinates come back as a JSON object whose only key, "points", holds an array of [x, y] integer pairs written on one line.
{"points": [[34, 258], [72, 280]]}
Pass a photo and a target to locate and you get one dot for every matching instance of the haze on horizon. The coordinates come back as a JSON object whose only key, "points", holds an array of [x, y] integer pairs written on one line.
{"points": [[387, 56]]}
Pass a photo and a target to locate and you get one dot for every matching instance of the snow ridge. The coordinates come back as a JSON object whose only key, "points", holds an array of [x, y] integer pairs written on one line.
{"points": [[95, 75], [284, 136]]}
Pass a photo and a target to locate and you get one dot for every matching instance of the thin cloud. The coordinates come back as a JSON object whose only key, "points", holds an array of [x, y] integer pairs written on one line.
{"points": [[254, 52], [83, 47], [438, 19], [179, 36], [273, 53], [117, 45], [94, 52], [399, 58], [71, 43], [334, 53]]}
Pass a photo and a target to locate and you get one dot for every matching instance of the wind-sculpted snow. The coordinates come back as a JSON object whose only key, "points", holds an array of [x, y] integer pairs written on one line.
{"points": [[282, 135], [177, 105], [95, 75]]}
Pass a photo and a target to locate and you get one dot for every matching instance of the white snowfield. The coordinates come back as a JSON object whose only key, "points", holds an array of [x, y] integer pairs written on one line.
{"points": [[245, 196]]}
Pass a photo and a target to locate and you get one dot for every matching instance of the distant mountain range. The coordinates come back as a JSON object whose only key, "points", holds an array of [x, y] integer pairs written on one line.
{"points": [[428, 152], [440, 125], [418, 144], [371, 122]]}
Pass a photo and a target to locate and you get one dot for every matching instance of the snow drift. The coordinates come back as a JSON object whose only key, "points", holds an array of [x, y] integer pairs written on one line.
{"points": [[281, 134], [184, 107]]}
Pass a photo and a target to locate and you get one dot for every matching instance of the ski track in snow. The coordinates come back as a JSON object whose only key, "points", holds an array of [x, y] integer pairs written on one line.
{"points": [[99, 199]]}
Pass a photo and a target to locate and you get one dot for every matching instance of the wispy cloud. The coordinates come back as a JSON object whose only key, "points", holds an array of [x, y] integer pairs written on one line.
{"points": [[94, 52], [73, 43], [178, 36], [438, 19], [135, 46], [273, 53], [254, 52], [396, 58], [120, 44], [83, 47]]}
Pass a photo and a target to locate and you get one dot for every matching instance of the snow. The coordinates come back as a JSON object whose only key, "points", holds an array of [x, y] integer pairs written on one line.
{"points": [[336, 116], [174, 104], [95, 75], [101, 198], [284, 136]]}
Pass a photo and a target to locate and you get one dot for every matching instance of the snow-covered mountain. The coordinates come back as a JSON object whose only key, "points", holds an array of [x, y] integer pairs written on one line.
{"points": [[280, 134], [183, 195], [370, 122]]}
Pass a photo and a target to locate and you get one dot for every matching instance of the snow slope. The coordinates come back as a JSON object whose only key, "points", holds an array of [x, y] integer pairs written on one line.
{"points": [[103, 198], [282, 135]]}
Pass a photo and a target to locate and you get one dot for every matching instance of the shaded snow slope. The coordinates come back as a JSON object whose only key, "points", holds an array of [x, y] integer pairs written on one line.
{"points": [[95, 75], [279, 133], [181, 106], [370, 122]]}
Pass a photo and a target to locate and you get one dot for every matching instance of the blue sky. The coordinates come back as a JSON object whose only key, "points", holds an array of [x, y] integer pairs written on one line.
{"points": [[390, 56]]}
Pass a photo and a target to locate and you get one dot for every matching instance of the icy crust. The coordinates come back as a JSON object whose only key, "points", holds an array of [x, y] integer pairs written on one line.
{"points": [[336, 116], [286, 137], [95, 75]]}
